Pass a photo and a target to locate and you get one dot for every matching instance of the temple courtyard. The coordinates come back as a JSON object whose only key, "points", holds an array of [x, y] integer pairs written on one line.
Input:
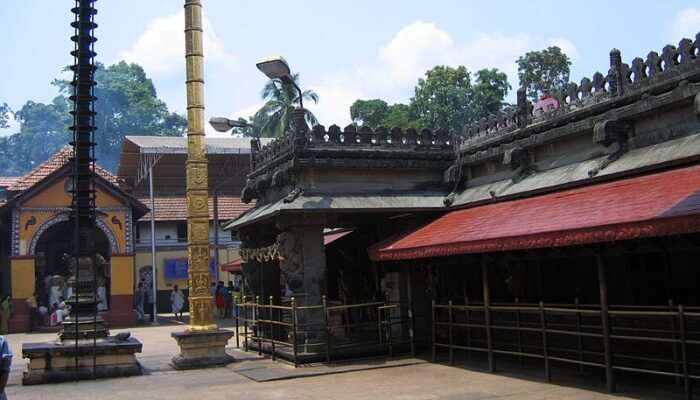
{"points": [[253, 377]]}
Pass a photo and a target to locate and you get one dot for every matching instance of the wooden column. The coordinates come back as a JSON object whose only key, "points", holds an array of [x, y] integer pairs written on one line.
{"points": [[487, 311], [605, 321]]}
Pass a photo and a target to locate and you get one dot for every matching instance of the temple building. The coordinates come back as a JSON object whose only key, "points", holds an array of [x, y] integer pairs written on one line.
{"points": [[36, 237], [566, 236]]}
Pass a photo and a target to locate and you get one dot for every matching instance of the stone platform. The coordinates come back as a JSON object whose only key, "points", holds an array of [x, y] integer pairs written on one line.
{"points": [[202, 349], [55, 361]]}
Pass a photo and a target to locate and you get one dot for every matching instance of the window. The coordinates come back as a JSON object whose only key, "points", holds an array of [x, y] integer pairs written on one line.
{"points": [[234, 236], [182, 231]]}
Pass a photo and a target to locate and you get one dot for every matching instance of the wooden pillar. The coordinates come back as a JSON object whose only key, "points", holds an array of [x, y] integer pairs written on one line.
{"points": [[487, 311], [605, 321]]}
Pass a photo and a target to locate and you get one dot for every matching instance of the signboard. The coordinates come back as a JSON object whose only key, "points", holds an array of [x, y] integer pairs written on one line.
{"points": [[176, 268]]}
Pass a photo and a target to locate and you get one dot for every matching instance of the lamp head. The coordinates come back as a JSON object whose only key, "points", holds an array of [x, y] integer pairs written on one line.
{"points": [[274, 68], [221, 124]]}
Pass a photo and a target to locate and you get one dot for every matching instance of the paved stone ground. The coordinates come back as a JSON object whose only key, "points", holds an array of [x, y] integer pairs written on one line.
{"points": [[410, 382]]}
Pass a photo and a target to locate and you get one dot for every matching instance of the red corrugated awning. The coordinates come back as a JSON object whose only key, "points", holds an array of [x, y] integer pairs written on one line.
{"points": [[233, 266], [661, 204]]}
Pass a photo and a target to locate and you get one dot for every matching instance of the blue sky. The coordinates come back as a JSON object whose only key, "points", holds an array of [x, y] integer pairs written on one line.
{"points": [[342, 49]]}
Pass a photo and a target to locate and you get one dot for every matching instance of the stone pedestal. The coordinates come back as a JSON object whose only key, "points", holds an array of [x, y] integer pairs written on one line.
{"points": [[202, 349], [55, 361]]}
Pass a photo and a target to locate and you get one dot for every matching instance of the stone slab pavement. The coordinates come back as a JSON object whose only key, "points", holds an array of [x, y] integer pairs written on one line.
{"points": [[421, 381]]}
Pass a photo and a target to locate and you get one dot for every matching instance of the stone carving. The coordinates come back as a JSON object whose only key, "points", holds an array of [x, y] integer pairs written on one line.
{"points": [[291, 262], [291, 196], [520, 161], [606, 133], [260, 254]]}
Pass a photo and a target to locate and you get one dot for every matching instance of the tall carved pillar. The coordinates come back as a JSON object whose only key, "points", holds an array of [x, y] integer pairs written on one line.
{"points": [[202, 344], [197, 175], [303, 266]]}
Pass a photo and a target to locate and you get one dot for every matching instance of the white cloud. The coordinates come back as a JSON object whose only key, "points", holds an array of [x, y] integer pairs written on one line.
{"points": [[686, 24], [161, 47], [415, 49], [567, 46], [336, 95], [13, 127], [411, 52]]}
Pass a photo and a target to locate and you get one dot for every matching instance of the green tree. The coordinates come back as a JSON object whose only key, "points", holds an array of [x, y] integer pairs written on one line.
{"points": [[399, 115], [281, 98], [127, 104], [371, 113], [43, 130], [446, 97], [443, 98], [542, 71], [5, 115], [490, 88]]}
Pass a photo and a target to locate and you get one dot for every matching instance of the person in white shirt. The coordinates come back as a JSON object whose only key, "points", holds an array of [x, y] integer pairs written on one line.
{"points": [[177, 300]]}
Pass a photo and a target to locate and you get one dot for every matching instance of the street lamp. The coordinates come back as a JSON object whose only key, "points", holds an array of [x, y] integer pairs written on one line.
{"points": [[277, 68], [223, 124]]}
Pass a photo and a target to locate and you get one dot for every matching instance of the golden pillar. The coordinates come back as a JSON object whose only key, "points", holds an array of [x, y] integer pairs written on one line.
{"points": [[197, 185]]}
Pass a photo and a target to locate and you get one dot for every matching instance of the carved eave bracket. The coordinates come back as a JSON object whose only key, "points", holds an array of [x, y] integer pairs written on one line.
{"points": [[520, 161], [610, 132]]}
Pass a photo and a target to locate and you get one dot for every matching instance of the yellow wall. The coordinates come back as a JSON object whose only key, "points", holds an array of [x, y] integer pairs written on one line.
{"points": [[55, 196], [143, 258], [22, 273], [27, 231], [118, 227], [122, 275]]}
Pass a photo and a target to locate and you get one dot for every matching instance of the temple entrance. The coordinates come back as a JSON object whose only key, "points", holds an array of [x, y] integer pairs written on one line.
{"points": [[52, 272]]}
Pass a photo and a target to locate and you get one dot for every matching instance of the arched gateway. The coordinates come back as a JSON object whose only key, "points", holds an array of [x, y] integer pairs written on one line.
{"points": [[37, 233]]}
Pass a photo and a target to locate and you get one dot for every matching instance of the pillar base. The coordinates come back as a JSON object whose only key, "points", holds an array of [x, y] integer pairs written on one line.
{"points": [[55, 361], [202, 349]]}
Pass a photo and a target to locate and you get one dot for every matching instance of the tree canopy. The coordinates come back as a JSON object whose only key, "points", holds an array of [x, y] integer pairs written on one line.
{"points": [[542, 71], [369, 112], [281, 98], [127, 104], [5, 114], [447, 98]]}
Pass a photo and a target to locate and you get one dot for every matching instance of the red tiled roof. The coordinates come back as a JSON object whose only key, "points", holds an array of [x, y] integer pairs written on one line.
{"points": [[54, 163], [661, 204], [175, 208], [6, 181]]}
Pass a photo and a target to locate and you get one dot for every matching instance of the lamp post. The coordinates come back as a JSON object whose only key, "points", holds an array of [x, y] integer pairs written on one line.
{"points": [[222, 124], [277, 68]]}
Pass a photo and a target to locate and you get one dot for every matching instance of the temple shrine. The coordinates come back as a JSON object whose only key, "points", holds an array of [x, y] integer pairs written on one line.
{"points": [[560, 236]]}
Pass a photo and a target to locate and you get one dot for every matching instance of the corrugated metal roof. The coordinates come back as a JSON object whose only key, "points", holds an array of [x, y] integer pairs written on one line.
{"points": [[178, 144], [661, 204]]}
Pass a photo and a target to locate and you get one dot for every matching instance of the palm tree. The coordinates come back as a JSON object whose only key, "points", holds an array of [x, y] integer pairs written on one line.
{"points": [[281, 99]]}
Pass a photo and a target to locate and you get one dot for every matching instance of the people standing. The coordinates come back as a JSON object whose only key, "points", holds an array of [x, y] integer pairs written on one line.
{"points": [[150, 297], [33, 312], [212, 291], [5, 364], [138, 302], [220, 302], [5, 314], [228, 298], [177, 300]]}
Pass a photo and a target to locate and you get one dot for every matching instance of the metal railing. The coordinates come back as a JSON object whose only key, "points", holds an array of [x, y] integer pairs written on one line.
{"points": [[327, 331], [656, 340]]}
